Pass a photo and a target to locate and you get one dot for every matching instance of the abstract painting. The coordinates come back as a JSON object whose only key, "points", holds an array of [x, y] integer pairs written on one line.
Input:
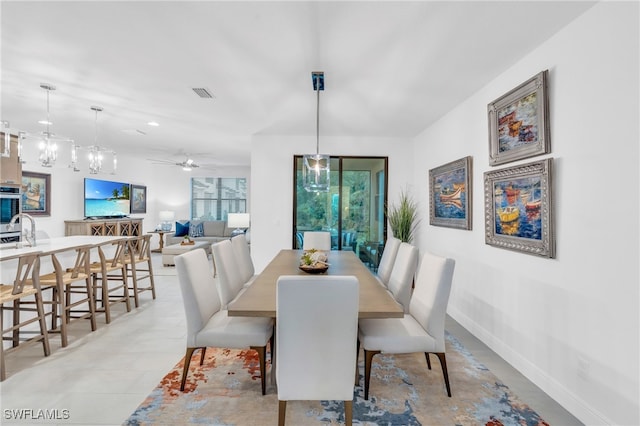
{"points": [[36, 193], [519, 122], [450, 194], [519, 208]]}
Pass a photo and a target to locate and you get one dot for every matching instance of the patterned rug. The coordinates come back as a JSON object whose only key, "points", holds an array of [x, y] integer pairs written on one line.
{"points": [[226, 391]]}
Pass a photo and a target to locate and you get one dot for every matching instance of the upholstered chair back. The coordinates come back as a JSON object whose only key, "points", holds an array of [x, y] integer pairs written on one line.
{"points": [[230, 280], [319, 240], [199, 294], [431, 295], [388, 258], [243, 257], [316, 337], [402, 274]]}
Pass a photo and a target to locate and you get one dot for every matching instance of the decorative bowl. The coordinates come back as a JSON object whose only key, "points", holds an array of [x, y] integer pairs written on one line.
{"points": [[309, 269]]}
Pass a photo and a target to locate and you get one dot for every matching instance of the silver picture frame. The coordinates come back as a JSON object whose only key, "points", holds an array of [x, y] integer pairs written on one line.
{"points": [[518, 206], [450, 194], [519, 122]]}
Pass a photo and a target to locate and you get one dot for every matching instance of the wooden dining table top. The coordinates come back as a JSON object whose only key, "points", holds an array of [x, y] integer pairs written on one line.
{"points": [[259, 299]]}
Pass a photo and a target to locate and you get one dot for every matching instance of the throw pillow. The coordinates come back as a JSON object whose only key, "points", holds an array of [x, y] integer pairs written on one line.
{"points": [[182, 229], [196, 230]]}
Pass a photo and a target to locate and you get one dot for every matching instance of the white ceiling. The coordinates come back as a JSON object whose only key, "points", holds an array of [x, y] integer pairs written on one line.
{"points": [[391, 68]]}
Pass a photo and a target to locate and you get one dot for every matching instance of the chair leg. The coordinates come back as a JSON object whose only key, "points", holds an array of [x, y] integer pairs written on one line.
{"points": [[204, 351], [443, 362], [262, 356], [368, 357], [348, 413], [282, 411], [92, 304], [43, 324], [134, 285], [426, 355], [185, 370], [3, 373], [357, 382], [153, 284]]}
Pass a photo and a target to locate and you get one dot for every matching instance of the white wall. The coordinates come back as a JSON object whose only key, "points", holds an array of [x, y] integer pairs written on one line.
{"points": [[570, 324], [272, 182]]}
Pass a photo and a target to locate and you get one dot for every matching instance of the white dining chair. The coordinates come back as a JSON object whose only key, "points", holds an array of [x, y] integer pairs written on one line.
{"points": [[388, 258], [319, 240], [420, 330], [230, 282], [316, 333], [208, 325], [402, 274], [243, 258]]}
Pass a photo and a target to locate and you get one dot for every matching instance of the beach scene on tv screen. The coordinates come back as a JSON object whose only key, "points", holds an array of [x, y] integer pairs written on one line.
{"points": [[104, 198]]}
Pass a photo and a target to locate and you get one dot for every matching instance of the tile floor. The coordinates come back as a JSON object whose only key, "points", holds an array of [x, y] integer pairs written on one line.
{"points": [[102, 376]]}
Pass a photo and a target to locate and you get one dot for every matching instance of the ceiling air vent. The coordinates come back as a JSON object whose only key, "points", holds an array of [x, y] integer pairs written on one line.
{"points": [[203, 92]]}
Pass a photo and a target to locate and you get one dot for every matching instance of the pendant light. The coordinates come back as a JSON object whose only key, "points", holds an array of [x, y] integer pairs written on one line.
{"points": [[74, 156], [6, 130], [48, 148], [316, 167], [95, 156]]}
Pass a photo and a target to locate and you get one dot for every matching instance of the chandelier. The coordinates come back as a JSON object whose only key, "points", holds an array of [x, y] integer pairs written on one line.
{"points": [[315, 167], [47, 147], [96, 152], [95, 156]]}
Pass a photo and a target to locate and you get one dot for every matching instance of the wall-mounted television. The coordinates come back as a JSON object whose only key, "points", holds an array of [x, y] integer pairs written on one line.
{"points": [[105, 198]]}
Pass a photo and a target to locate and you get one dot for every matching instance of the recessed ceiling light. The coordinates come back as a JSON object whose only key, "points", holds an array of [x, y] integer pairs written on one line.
{"points": [[153, 123]]}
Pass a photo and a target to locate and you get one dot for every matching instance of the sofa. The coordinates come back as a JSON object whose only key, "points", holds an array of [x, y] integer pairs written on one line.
{"points": [[211, 231]]}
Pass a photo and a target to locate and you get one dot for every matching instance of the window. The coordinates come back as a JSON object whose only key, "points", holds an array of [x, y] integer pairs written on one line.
{"points": [[214, 198], [353, 209]]}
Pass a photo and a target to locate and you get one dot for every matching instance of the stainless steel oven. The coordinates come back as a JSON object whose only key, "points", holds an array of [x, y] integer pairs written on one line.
{"points": [[10, 205]]}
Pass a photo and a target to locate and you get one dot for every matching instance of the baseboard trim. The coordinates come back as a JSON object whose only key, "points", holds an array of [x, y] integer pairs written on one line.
{"points": [[576, 406]]}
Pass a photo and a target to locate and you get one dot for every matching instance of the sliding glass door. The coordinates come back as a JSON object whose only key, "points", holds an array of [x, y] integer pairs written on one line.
{"points": [[353, 209]]}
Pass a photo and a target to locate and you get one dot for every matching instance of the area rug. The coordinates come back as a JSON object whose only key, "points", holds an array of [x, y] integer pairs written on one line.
{"points": [[403, 391]]}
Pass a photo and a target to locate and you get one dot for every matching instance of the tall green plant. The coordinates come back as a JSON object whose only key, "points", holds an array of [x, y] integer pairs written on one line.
{"points": [[403, 217]]}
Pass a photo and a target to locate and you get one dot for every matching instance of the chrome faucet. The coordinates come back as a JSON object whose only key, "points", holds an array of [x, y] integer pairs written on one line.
{"points": [[31, 238]]}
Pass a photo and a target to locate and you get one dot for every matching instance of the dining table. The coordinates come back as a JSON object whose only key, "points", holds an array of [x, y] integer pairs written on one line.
{"points": [[259, 299]]}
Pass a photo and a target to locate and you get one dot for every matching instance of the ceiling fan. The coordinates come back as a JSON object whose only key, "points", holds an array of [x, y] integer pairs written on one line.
{"points": [[187, 165]]}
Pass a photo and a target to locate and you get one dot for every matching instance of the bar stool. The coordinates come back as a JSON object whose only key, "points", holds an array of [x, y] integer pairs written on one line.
{"points": [[61, 282], [138, 254], [15, 293], [113, 287]]}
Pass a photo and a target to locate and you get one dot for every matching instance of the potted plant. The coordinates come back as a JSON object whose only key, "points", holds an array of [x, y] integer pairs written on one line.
{"points": [[403, 217]]}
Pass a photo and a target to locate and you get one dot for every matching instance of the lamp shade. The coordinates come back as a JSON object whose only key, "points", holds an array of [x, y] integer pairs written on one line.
{"points": [[166, 215], [238, 220], [316, 170]]}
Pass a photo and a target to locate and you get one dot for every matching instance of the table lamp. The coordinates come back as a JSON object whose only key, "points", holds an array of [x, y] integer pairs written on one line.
{"points": [[166, 217], [238, 221]]}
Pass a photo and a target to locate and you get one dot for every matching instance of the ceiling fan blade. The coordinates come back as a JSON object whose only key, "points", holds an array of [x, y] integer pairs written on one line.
{"points": [[157, 161]]}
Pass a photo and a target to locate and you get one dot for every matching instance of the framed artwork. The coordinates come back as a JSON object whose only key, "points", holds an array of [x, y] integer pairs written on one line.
{"points": [[138, 199], [36, 193], [519, 122], [519, 208], [450, 194]]}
